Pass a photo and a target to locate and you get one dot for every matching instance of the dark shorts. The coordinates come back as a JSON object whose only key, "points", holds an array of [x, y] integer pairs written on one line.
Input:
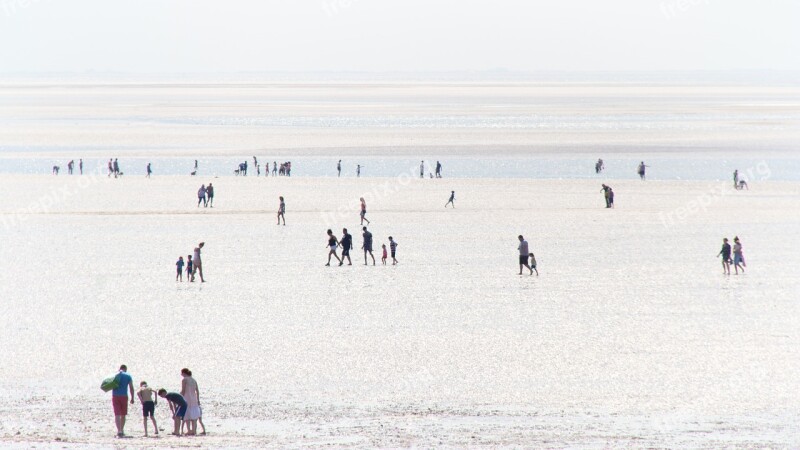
{"points": [[393, 253], [180, 412], [345, 252], [368, 248], [120, 403], [363, 212], [523, 259], [148, 409]]}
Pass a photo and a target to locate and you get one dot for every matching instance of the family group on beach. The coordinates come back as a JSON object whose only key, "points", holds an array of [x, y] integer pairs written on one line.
{"points": [[346, 244], [184, 407], [194, 265]]}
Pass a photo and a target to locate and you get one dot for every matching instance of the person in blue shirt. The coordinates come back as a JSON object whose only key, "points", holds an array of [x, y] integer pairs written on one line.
{"points": [[119, 398]]}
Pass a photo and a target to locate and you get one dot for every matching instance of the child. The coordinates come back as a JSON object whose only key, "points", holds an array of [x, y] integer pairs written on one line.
{"points": [[393, 248], [383, 260], [533, 263], [189, 268], [179, 265], [148, 401], [177, 405]]}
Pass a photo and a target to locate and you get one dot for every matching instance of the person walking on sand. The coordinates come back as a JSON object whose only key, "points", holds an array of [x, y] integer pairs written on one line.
{"points": [[523, 254], [110, 167], [149, 400], [533, 264], [393, 250], [607, 193], [726, 257], [363, 211], [367, 245], [274, 168], [438, 169], [422, 169], [198, 262], [641, 170], [119, 398], [347, 244], [149, 170], [80, 166], [738, 257], [70, 166], [116, 168], [333, 244], [385, 255], [339, 168], [358, 171], [282, 211], [736, 179], [191, 393], [210, 195], [201, 196], [452, 199]]}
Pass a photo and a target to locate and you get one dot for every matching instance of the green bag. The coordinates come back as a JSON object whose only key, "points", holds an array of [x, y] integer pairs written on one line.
{"points": [[110, 383]]}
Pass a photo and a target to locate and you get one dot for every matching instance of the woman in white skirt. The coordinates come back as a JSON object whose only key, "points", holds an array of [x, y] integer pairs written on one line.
{"points": [[191, 393]]}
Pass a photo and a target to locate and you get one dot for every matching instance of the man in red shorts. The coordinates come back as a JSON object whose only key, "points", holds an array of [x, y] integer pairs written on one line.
{"points": [[119, 398]]}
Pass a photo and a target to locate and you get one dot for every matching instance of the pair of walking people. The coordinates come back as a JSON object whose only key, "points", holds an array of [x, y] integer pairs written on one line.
{"points": [[205, 195], [738, 256]]}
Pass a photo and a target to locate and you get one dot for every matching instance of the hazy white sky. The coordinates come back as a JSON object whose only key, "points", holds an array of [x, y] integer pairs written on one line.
{"points": [[168, 36]]}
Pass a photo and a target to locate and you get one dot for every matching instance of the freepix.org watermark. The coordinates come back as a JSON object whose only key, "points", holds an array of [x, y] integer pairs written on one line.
{"points": [[12, 7], [701, 203]]}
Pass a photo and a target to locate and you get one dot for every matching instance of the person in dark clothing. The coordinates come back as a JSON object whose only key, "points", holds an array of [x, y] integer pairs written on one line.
{"points": [[726, 256], [608, 194], [177, 405], [346, 243], [333, 244], [367, 246]]}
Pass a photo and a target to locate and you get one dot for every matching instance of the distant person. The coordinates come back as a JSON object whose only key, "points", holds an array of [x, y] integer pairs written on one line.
{"points": [[610, 198], [55, 170], [274, 168], [385, 255], [119, 398], [339, 168], [736, 179], [347, 244], [438, 169], [198, 262], [148, 399], [195, 164], [641, 170], [358, 171], [367, 245], [149, 170], [70, 166], [738, 257], [179, 265], [363, 211], [189, 268], [255, 161], [599, 166], [422, 169], [282, 212], [451, 200], [245, 168], [258, 170], [533, 264], [201, 196], [726, 257], [80, 166], [177, 406], [393, 249], [210, 195], [607, 193], [523, 254], [333, 244], [110, 167], [743, 185], [116, 168]]}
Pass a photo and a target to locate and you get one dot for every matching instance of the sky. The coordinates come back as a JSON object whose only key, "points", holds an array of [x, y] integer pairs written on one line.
{"points": [[231, 36]]}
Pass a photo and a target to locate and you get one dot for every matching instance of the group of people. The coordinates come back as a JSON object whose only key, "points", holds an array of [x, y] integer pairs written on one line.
{"points": [[70, 167], [608, 193], [738, 257], [346, 244], [193, 263], [438, 170], [113, 168], [184, 406], [205, 195]]}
